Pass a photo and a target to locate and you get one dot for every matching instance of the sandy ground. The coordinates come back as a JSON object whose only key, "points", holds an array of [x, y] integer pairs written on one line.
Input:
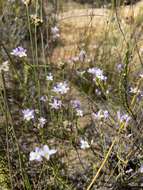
{"points": [[74, 23]]}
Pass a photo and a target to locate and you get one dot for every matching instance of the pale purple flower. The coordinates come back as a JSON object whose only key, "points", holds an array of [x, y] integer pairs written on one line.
{"points": [[61, 88], [106, 114], [36, 155], [97, 73], [84, 144], [56, 104], [75, 104], [28, 114], [55, 32], [40, 153], [119, 67], [19, 52], [46, 152], [42, 122], [101, 114], [123, 118]]}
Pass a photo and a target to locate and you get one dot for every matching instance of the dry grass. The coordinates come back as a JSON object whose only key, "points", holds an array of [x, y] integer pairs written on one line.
{"points": [[81, 25]]}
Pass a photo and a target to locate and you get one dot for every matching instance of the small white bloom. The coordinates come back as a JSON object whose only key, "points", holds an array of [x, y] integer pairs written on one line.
{"points": [[35, 155], [61, 87], [42, 122], [4, 66], [19, 52], [134, 90], [28, 114], [49, 77], [79, 113], [84, 144], [46, 152], [56, 104]]}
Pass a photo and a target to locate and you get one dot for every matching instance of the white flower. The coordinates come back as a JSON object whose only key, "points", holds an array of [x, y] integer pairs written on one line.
{"points": [[35, 155], [61, 87], [84, 144], [134, 90], [49, 77], [42, 121], [79, 112], [46, 152], [4, 66], [19, 52], [56, 104], [28, 114]]}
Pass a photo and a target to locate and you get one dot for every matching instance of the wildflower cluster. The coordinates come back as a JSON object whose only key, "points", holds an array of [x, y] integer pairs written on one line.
{"points": [[39, 153], [97, 74]]}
